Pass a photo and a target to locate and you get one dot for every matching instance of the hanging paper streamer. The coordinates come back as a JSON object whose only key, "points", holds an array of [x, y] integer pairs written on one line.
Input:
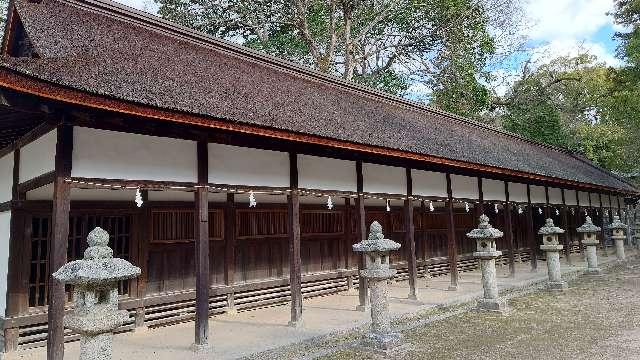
{"points": [[495, 207], [138, 199], [557, 212], [388, 206], [520, 210], [586, 213], [329, 203], [430, 206], [573, 212], [539, 210], [466, 206], [596, 211], [252, 200]]}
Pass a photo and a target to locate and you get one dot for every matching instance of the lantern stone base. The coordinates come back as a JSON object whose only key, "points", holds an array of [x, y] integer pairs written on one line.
{"points": [[202, 349], [620, 249], [593, 272], [384, 342], [557, 285], [494, 305]]}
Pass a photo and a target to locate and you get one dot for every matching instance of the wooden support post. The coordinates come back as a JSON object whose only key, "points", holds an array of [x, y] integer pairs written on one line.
{"points": [[348, 238], [531, 233], [451, 238], [547, 208], [410, 242], [363, 286], [567, 231], [230, 250], [143, 234], [480, 206], [295, 276], [59, 241], [425, 246], [508, 231], [201, 233]]}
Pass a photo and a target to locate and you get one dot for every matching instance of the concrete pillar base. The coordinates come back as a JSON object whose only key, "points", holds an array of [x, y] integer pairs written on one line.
{"points": [[557, 285], [452, 288], [412, 297], [295, 324], [593, 271], [363, 308], [494, 305], [201, 348]]}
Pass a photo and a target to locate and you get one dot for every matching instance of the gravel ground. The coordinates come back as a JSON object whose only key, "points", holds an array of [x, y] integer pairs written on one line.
{"points": [[597, 318]]}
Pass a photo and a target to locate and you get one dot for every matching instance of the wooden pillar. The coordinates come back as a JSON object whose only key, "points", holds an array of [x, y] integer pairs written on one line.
{"points": [[480, 207], [451, 238], [508, 231], [531, 233], [143, 237], [547, 208], [425, 247], [230, 250], [295, 276], [410, 242], [348, 238], [59, 241], [363, 286], [201, 233], [567, 231]]}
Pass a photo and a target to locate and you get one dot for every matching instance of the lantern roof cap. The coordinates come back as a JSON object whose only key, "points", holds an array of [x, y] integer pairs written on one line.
{"points": [[376, 241], [485, 230], [588, 226], [617, 224], [550, 229]]}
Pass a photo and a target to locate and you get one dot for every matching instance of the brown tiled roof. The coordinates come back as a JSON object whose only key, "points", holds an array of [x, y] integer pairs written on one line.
{"points": [[105, 49]]}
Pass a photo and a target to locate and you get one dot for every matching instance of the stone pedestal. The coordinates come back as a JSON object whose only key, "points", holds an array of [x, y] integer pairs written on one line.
{"points": [[95, 278], [551, 246], [618, 236], [377, 273], [486, 253], [589, 232]]}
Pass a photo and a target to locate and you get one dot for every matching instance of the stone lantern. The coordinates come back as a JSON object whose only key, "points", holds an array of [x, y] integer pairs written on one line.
{"points": [[485, 236], [95, 295], [617, 234], [590, 241], [552, 247], [376, 250]]}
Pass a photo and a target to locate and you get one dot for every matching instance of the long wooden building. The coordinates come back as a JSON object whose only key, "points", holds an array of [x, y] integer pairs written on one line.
{"points": [[254, 176]]}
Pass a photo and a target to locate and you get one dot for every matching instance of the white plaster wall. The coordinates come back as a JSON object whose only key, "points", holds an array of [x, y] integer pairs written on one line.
{"points": [[38, 157], [464, 187], [538, 195], [326, 174], [384, 179], [570, 197], [493, 190], [245, 166], [41, 193], [5, 219], [584, 198], [595, 200], [518, 192], [116, 155], [429, 183], [6, 177], [555, 196]]}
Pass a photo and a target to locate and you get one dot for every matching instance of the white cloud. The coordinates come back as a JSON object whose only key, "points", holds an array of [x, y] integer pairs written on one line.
{"points": [[572, 47], [144, 5], [554, 19]]}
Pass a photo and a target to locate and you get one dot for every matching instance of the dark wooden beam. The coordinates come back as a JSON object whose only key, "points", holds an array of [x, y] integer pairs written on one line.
{"points": [[346, 249], [410, 242], [451, 238], [295, 277], [567, 231], [230, 248], [531, 233], [37, 182], [59, 240], [201, 233], [144, 234], [479, 210], [363, 286], [547, 207], [508, 231]]}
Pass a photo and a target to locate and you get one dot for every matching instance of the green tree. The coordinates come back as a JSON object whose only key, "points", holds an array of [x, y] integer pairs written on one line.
{"points": [[387, 44]]}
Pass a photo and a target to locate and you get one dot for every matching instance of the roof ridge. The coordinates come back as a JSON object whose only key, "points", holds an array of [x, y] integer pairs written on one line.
{"points": [[156, 23]]}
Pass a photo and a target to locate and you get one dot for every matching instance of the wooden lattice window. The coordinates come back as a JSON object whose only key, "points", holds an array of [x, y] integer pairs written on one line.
{"points": [[177, 226], [321, 222], [39, 269], [252, 224]]}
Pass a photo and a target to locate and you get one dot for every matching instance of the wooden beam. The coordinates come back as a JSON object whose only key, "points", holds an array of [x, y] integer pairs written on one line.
{"points": [[410, 242], [547, 208], [36, 182], [363, 286], [567, 231], [508, 231], [451, 238], [59, 241], [201, 233], [230, 249], [295, 266], [531, 233], [480, 206]]}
